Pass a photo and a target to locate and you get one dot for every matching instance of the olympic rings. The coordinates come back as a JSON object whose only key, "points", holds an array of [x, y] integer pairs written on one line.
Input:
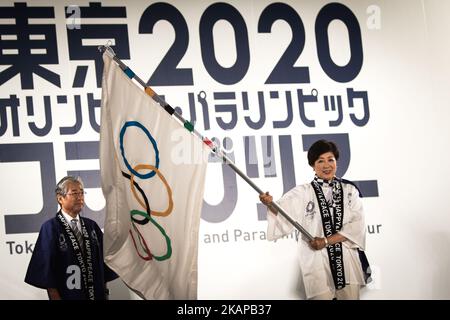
{"points": [[146, 248], [169, 191], [168, 254], [149, 136], [145, 203]]}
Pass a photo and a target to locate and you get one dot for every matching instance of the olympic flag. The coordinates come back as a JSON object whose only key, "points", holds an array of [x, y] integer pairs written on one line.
{"points": [[153, 174]]}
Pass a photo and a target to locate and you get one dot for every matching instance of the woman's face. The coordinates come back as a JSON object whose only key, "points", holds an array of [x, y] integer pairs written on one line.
{"points": [[325, 166]]}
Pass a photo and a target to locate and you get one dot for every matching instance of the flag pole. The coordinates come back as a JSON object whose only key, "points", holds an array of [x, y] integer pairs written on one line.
{"points": [[190, 127]]}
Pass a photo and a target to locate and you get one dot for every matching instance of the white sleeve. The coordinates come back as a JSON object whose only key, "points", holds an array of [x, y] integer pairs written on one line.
{"points": [[354, 227], [279, 226]]}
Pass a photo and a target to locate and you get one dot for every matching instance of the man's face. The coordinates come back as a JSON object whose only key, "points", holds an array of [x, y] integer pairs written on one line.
{"points": [[325, 167], [73, 201]]}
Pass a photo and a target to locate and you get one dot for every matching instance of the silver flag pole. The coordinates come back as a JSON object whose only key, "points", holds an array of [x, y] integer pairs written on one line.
{"points": [[190, 127]]}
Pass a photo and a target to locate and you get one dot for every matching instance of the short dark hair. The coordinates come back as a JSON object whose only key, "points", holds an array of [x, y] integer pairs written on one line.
{"points": [[320, 147]]}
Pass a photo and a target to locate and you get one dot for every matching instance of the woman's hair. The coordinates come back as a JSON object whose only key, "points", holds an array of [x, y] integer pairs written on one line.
{"points": [[61, 187], [320, 147]]}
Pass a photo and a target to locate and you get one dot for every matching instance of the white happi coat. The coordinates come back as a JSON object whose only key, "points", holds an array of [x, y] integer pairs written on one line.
{"points": [[301, 204]]}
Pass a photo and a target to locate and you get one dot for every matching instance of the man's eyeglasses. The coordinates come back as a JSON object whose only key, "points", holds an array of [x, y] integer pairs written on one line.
{"points": [[77, 194]]}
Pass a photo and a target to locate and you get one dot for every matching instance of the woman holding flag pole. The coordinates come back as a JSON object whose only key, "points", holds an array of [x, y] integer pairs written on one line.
{"points": [[332, 263]]}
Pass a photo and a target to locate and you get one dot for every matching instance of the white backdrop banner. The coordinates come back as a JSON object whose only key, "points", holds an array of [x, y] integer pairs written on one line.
{"points": [[264, 80]]}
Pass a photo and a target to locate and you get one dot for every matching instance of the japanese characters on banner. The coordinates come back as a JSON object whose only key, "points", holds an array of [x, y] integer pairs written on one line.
{"points": [[264, 80]]}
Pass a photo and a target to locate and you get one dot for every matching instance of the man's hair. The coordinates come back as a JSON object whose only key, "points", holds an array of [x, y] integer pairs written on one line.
{"points": [[320, 147], [61, 186]]}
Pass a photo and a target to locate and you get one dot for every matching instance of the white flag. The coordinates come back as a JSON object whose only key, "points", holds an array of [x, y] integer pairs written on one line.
{"points": [[153, 174]]}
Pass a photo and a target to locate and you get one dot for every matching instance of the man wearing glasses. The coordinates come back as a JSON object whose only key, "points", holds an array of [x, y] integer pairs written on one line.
{"points": [[67, 259]]}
